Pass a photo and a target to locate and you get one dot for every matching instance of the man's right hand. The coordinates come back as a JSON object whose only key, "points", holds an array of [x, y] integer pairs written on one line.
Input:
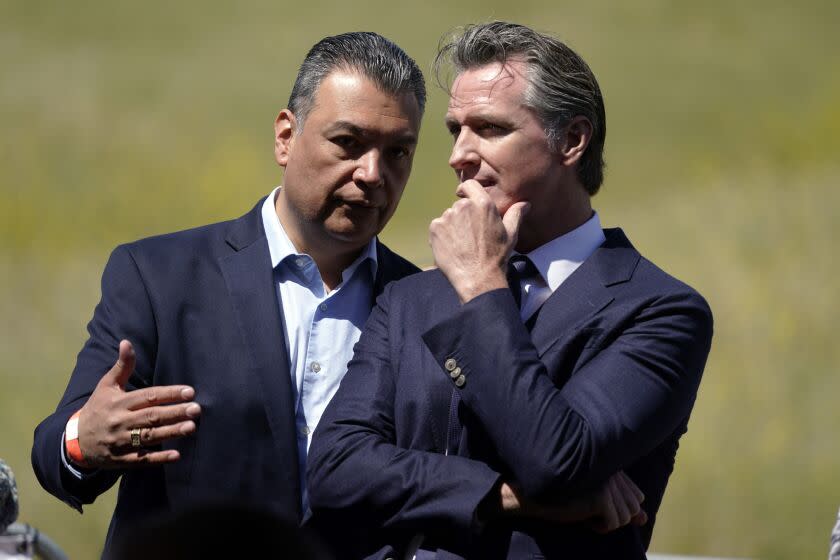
{"points": [[614, 505], [111, 413]]}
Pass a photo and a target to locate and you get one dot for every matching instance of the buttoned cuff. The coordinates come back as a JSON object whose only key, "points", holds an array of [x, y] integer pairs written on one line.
{"points": [[445, 340]]}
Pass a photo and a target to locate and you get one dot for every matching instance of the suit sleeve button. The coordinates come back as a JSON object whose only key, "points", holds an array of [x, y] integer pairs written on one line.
{"points": [[455, 373], [460, 381], [450, 364]]}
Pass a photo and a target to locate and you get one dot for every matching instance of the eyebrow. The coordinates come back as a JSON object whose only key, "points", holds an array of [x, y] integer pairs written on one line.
{"points": [[356, 130], [480, 116]]}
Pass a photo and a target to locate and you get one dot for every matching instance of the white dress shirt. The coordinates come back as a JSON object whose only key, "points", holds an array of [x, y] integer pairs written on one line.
{"points": [[557, 260]]}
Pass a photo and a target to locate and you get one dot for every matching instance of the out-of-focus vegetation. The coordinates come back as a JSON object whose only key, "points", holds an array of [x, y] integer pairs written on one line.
{"points": [[121, 120]]}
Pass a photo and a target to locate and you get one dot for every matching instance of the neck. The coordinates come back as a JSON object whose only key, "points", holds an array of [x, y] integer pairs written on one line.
{"points": [[332, 257], [541, 225]]}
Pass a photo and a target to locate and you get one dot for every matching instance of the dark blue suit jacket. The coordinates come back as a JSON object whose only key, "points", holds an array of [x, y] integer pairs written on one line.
{"points": [[605, 381], [201, 308]]}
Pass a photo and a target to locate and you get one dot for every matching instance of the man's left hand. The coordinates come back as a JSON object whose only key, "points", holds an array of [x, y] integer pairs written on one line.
{"points": [[471, 242]]}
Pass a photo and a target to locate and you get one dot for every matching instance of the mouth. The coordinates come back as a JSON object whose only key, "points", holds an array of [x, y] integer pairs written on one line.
{"points": [[358, 203], [485, 182]]}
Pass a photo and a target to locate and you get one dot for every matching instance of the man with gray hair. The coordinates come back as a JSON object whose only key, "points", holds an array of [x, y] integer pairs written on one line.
{"points": [[489, 400], [214, 351]]}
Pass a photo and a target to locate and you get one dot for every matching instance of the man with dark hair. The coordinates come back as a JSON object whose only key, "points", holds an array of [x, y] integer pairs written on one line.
{"points": [[230, 339], [543, 359]]}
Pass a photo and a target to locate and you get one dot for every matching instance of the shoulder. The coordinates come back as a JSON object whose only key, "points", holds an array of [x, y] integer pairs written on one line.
{"points": [[393, 266], [649, 274], [213, 240], [659, 290], [178, 258]]}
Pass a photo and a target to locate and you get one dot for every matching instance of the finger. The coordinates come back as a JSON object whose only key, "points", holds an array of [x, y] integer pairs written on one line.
{"points": [[609, 516], [471, 189], [153, 396], [513, 219], [144, 457], [631, 486], [627, 492], [160, 434], [624, 501], [162, 415], [124, 367]]}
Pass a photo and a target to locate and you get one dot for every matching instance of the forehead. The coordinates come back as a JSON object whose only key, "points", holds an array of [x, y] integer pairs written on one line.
{"points": [[493, 85], [348, 96]]}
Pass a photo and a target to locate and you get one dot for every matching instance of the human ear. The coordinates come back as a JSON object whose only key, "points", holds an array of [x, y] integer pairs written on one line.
{"points": [[576, 137], [284, 131]]}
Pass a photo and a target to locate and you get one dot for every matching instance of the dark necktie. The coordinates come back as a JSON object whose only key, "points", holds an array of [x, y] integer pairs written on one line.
{"points": [[519, 268]]}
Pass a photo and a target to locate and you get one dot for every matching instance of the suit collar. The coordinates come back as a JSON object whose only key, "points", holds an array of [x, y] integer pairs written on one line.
{"points": [[587, 291], [244, 231], [391, 267], [615, 260]]}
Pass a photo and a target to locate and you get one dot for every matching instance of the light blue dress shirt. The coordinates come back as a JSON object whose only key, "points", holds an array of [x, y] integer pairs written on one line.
{"points": [[321, 327]]}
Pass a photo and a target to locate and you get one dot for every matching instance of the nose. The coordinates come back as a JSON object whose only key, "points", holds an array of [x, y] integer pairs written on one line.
{"points": [[369, 169], [464, 154]]}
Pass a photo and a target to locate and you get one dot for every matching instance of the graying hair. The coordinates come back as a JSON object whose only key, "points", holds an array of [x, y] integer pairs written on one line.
{"points": [[372, 55], [561, 85]]}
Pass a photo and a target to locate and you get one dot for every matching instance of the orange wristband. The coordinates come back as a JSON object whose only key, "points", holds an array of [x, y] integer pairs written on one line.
{"points": [[71, 440]]}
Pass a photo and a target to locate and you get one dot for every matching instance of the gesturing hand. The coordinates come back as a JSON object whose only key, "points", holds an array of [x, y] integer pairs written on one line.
{"points": [[471, 242], [111, 413]]}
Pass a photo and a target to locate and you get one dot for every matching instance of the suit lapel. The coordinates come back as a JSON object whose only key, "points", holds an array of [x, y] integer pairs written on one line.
{"points": [[250, 283], [586, 292]]}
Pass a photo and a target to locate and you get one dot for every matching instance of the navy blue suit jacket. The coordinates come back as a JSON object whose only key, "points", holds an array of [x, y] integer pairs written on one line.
{"points": [[604, 381], [201, 308]]}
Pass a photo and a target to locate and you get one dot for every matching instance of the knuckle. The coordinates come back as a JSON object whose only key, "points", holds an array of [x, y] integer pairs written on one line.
{"points": [[112, 425], [152, 417]]}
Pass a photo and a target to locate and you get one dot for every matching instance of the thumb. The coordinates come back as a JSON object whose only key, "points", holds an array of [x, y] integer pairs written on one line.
{"points": [[513, 219], [122, 370]]}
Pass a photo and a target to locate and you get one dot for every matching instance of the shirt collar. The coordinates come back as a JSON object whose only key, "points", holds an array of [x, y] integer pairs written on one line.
{"points": [[280, 246], [557, 259]]}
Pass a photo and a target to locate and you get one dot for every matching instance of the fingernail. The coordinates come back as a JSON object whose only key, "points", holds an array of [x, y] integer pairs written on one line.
{"points": [[193, 410], [187, 393], [188, 428]]}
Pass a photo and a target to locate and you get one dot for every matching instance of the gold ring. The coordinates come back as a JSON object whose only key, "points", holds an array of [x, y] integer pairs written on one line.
{"points": [[135, 438]]}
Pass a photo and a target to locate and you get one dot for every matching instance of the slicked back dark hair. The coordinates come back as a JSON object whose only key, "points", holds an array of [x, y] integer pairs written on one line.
{"points": [[561, 85], [370, 54]]}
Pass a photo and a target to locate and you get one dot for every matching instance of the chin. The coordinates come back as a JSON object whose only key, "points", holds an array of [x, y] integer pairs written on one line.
{"points": [[358, 236]]}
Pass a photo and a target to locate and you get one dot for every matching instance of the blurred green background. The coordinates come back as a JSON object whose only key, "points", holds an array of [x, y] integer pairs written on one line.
{"points": [[120, 120]]}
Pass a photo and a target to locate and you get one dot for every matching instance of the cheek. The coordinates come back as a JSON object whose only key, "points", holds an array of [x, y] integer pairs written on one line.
{"points": [[501, 199]]}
